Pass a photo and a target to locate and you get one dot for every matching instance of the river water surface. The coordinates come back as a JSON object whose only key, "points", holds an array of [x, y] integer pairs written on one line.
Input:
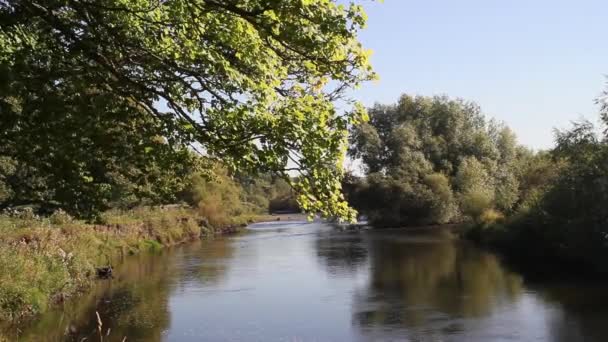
{"points": [[298, 281]]}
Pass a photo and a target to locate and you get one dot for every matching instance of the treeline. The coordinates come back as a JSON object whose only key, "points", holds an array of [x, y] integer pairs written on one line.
{"points": [[217, 193], [435, 160]]}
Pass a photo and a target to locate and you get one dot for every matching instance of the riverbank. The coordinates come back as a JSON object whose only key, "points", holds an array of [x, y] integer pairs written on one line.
{"points": [[43, 261], [542, 250]]}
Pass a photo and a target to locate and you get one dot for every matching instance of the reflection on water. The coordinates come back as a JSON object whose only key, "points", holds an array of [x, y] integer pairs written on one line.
{"points": [[583, 314], [432, 284], [341, 253], [135, 304], [287, 281]]}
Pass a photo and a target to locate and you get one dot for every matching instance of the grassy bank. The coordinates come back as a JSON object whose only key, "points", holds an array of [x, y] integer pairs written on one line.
{"points": [[45, 260]]}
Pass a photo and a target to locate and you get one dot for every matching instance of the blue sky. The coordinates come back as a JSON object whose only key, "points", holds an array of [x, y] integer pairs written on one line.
{"points": [[534, 64]]}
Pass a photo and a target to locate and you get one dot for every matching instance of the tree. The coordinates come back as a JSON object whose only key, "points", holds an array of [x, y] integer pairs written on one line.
{"points": [[254, 83], [428, 153], [109, 155]]}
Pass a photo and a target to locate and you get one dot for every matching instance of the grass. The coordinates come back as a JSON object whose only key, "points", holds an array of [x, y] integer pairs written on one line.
{"points": [[45, 260]]}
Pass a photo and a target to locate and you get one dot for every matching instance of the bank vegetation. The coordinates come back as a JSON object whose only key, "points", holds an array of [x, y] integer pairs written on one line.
{"points": [[436, 160]]}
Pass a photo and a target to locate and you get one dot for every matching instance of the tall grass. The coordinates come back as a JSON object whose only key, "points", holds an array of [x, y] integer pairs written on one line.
{"points": [[45, 260]]}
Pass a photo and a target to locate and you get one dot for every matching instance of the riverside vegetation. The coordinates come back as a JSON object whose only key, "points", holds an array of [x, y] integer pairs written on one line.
{"points": [[438, 160], [110, 106], [46, 259], [110, 109]]}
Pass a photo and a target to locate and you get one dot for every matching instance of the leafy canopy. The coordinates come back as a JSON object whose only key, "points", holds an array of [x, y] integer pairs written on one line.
{"points": [[432, 160], [254, 82]]}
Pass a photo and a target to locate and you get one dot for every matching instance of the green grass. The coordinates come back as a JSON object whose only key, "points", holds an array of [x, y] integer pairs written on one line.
{"points": [[44, 260]]}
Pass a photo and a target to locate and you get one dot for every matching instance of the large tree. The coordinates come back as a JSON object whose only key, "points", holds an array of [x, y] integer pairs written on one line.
{"points": [[253, 82], [85, 151], [430, 159]]}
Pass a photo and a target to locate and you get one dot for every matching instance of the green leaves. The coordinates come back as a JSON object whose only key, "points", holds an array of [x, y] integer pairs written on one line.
{"points": [[251, 80], [435, 160]]}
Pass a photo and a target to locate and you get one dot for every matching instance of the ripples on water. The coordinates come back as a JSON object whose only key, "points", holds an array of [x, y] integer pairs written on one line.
{"points": [[299, 281]]}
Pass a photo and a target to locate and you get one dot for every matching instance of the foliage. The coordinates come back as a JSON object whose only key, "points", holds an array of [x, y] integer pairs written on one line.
{"points": [[219, 195], [476, 187], [253, 83], [217, 199], [436, 159], [44, 260], [387, 201], [564, 215], [575, 207], [267, 193], [109, 156], [443, 207]]}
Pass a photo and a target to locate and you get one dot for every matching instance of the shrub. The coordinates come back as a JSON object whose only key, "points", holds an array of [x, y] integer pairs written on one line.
{"points": [[491, 217], [60, 217], [475, 202]]}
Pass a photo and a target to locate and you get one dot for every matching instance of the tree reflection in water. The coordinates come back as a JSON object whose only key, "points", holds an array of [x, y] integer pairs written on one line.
{"points": [[417, 280], [583, 310], [341, 254], [136, 302]]}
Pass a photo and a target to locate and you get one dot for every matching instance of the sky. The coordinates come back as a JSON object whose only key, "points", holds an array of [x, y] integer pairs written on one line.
{"points": [[534, 64]]}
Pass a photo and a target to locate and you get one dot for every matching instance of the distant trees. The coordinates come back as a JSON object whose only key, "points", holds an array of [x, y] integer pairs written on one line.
{"points": [[221, 196], [268, 193], [433, 160]]}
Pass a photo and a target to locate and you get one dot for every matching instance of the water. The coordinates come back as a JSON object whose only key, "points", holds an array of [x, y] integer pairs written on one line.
{"points": [[308, 282]]}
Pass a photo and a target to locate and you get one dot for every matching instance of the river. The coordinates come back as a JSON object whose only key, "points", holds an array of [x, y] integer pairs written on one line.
{"points": [[299, 281]]}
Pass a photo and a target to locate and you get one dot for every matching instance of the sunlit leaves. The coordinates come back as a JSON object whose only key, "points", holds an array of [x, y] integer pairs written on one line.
{"points": [[254, 82]]}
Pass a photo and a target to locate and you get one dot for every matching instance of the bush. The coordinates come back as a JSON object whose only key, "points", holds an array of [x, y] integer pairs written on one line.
{"points": [[475, 202], [60, 217], [562, 217], [218, 197], [491, 217]]}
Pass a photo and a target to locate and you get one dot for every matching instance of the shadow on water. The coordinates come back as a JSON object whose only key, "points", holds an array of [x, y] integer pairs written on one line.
{"points": [[583, 310]]}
